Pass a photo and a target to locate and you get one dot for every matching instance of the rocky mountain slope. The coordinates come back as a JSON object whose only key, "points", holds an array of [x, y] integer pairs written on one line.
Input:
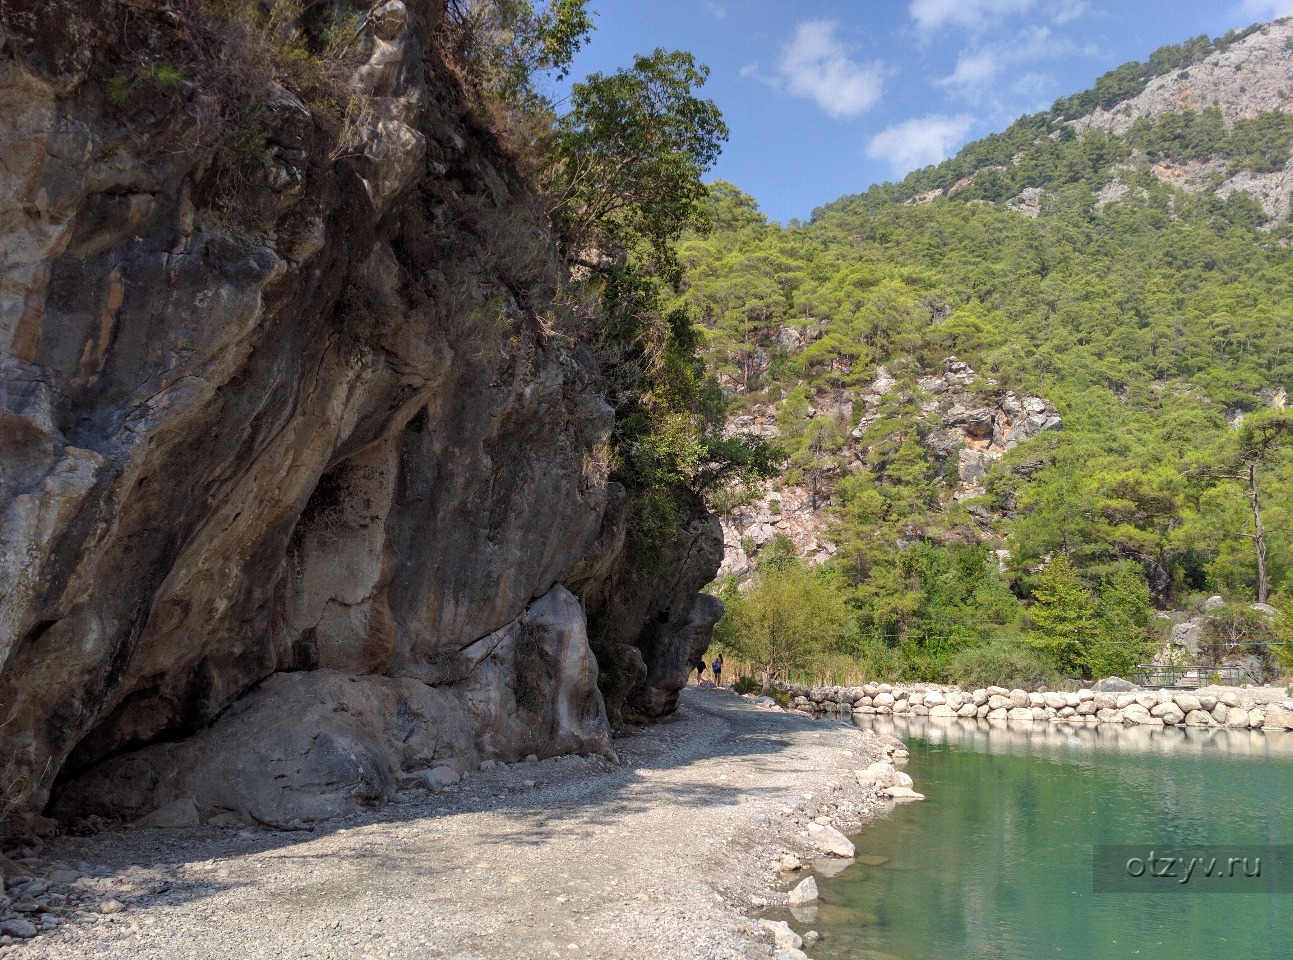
{"points": [[968, 424], [302, 477], [1242, 80]]}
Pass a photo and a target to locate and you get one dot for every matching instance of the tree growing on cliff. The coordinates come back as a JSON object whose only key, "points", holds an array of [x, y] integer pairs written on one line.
{"points": [[629, 155]]}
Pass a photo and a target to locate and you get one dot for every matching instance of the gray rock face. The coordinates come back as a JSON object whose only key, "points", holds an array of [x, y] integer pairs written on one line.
{"points": [[660, 621], [333, 743], [345, 442], [1113, 685]]}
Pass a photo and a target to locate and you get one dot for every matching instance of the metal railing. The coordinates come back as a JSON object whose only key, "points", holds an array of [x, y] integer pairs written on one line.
{"points": [[1190, 675]]}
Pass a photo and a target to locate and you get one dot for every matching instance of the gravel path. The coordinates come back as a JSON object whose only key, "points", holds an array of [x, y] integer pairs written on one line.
{"points": [[670, 854]]}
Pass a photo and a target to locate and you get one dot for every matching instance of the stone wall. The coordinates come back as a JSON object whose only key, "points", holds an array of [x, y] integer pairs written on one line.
{"points": [[1266, 708]]}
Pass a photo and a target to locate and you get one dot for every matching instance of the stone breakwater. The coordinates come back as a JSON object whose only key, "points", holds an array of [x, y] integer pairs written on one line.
{"points": [[1267, 708]]}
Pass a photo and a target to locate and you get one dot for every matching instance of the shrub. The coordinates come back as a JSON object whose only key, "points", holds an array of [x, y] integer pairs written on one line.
{"points": [[744, 685], [1001, 663]]}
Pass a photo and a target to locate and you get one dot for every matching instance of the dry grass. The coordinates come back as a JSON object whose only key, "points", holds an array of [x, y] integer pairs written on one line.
{"points": [[830, 671]]}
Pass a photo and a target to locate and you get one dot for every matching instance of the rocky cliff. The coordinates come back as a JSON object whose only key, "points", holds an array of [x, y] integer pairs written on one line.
{"points": [[302, 469], [969, 422]]}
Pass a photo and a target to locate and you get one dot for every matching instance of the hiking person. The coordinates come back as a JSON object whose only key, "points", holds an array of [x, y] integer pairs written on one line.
{"points": [[718, 670], [700, 670]]}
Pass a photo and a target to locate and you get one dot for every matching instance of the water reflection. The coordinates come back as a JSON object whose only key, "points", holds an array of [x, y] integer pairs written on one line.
{"points": [[1001, 736], [996, 864]]}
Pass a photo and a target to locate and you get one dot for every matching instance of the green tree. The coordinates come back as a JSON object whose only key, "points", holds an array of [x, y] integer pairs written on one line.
{"points": [[1124, 637], [1063, 616], [789, 616], [1260, 439], [630, 153]]}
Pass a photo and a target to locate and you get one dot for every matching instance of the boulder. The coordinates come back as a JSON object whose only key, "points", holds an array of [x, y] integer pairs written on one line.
{"points": [[1188, 702], [20, 928], [1168, 712], [1198, 718], [1237, 718], [437, 778], [1135, 713], [177, 813], [903, 794], [804, 892], [1020, 713], [830, 840], [783, 938], [942, 710], [1113, 685], [337, 743]]}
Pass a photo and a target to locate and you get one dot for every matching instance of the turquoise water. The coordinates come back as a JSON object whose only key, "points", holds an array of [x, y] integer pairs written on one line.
{"points": [[996, 863]]}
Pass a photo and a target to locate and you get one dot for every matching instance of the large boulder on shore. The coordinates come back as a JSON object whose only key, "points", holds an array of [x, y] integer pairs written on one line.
{"points": [[312, 745]]}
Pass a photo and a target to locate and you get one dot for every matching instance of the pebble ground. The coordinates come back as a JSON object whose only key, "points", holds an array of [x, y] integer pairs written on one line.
{"points": [[669, 854]]}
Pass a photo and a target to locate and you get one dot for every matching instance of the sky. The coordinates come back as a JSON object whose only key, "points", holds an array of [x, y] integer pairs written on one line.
{"points": [[826, 97]]}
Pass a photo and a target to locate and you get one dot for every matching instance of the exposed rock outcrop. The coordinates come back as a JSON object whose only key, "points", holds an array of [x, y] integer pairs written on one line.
{"points": [[1246, 79], [358, 441], [971, 423]]}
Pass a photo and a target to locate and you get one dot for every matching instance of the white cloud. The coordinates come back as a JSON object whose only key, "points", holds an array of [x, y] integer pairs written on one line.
{"points": [[918, 142], [979, 67], [1066, 11], [973, 69], [816, 65], [932, 14], [1268, 9], [715, 11]]}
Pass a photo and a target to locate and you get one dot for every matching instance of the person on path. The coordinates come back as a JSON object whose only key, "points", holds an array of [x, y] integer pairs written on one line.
{"points": [[700, 670], [718, 670]]}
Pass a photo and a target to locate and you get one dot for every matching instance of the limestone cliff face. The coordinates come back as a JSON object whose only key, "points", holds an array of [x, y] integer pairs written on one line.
{"points": [[350, 457]]}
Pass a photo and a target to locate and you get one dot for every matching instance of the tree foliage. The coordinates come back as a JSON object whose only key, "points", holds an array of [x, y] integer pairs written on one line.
{"points": [[788, 618], [630, 154]]}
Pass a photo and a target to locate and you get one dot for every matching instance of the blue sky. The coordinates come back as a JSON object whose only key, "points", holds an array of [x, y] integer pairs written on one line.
{"points": [[826, 97]]}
